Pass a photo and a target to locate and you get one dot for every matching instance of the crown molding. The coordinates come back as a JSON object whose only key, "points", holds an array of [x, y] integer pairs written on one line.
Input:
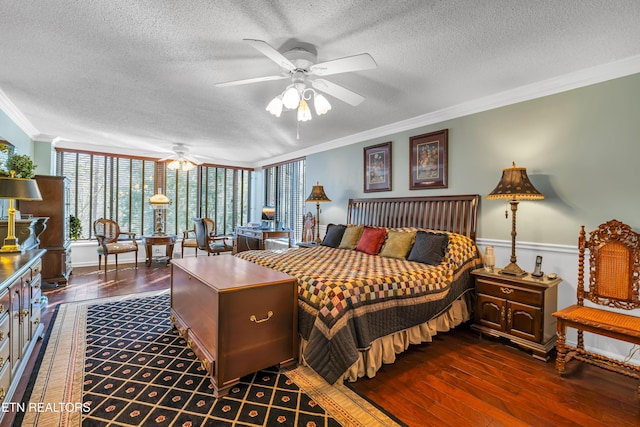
{"points": [[575, 80], [16, 116]]}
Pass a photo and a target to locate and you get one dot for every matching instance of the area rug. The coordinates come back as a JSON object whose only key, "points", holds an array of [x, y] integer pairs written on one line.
{"points": [[119, 362]]}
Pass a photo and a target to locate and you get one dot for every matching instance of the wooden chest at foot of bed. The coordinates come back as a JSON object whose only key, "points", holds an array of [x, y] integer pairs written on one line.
{"points": [[237, 316]]}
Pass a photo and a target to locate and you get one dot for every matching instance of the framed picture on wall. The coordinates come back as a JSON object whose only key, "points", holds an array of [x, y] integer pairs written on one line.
{"points": [[428, 160], [377, 168]]}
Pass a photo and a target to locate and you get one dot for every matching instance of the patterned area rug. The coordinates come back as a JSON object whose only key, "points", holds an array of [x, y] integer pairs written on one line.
{"points": [[118, 362]]}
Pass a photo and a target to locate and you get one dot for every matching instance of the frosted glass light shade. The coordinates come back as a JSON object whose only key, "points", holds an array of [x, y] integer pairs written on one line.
{"points": [[321, 104], [304, 113], [291, 98], [275, 106]]}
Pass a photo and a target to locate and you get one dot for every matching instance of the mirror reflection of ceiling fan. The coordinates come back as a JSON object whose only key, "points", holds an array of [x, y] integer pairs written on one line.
{"points": [[181, 159], [300, 65]]}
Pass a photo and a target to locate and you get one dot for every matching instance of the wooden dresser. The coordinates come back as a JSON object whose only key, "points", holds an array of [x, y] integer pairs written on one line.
{"points": [[237, 316], [517, 308], [20, 326]]}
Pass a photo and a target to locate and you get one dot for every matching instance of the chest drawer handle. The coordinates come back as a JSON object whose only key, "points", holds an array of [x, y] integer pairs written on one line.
{"points": [[253, 317], [506, 290]]}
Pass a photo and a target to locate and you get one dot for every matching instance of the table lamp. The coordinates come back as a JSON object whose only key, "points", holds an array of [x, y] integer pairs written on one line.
{"points": [[514, 186], [317, 195], [159, 203], [16, 189]]}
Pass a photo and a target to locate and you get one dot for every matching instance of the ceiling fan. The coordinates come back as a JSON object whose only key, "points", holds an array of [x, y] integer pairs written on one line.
{"points": [[181, 159], [300, 66]]}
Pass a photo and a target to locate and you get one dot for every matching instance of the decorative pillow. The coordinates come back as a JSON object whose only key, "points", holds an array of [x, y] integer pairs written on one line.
{"points": [[398, 244], [429, 248], [351, 236], [371, 240], [334, 235]]}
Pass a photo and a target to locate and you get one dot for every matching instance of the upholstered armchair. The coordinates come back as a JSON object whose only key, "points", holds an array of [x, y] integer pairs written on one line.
{"points": [[111, 240], [207, 240]]}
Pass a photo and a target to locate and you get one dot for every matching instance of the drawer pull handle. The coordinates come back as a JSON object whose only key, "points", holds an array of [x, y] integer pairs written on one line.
{"points": [[37, 321], [172, 319], [190, 343], [1, 335], [204, 364], [2, 393], [254, 319], [506, 290]]}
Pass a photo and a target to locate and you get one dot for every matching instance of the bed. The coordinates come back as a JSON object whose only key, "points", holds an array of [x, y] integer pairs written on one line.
{"points": [[357, 310]]}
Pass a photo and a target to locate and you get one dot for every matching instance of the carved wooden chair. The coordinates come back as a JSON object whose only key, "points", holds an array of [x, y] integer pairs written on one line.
{"points": [[614, 282], [111, 240], [207, 240], [309, 226]]}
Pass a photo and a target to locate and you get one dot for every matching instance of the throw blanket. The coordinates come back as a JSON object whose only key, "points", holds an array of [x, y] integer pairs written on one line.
{"points": [[347, 298]]}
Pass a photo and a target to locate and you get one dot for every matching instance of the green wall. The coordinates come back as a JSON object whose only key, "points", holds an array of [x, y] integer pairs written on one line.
{"points": [[9, 131], [581, 149]]}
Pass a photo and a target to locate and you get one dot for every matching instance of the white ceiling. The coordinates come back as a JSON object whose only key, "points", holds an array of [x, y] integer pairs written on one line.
{"points": [[138, 76]]}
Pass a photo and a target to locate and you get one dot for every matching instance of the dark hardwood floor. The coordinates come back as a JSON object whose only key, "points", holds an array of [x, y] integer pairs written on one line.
{"points": [[458, 380]]}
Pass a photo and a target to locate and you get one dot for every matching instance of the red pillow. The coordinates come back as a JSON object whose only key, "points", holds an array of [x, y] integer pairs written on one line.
{"points": [[372, 240]]}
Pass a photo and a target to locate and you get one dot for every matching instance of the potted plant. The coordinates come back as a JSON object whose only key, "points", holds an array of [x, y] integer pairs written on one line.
{"points": [[75, 227], [21, 164]]}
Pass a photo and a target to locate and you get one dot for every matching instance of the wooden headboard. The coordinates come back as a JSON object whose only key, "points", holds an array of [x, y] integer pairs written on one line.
{"points": [[458, 214]]}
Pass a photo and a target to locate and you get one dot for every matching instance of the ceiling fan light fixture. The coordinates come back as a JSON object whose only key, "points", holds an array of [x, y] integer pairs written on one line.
{"points": [[304, 113], [291, 98], [321, 104], [174, 165], [187, 166], [275, 106]]}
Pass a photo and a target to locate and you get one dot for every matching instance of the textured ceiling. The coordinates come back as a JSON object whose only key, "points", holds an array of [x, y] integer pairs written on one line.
{"points": [[138, 76]]}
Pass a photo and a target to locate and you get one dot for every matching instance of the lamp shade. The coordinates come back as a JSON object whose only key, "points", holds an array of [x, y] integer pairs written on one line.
{"points": [[19, 189], [317, 194], [515, 185], [159, 201]]}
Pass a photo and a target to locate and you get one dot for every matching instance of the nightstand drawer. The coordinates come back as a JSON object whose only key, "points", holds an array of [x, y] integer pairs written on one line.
{"points": [[512, 293]]}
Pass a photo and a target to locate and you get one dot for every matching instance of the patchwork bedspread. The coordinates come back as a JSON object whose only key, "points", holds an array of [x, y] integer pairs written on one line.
{"points": [[347, 298]]}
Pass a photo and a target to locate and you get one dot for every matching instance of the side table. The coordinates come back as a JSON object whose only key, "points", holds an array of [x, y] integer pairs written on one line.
{"points": [[518, 308], [167, 240]]}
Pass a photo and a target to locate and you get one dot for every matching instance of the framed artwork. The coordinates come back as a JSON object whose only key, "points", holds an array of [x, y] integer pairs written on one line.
{"points": [[428, 160], [377, 168]]}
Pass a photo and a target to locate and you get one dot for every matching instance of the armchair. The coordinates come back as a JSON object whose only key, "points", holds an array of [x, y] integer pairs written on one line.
{"points": [[110, 241], [207, 240]]}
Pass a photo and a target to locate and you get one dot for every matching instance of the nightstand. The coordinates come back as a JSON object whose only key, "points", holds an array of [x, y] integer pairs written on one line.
{"points": [[518, 308], [307, 244]]}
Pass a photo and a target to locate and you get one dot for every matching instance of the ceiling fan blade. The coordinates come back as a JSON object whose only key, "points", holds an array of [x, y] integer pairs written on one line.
{"points": [[337, 91], [253, 80], [364, 61], [267, 50]]}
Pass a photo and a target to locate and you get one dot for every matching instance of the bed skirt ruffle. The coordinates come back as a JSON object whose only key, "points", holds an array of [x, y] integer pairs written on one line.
{"points": [[383, 350]]}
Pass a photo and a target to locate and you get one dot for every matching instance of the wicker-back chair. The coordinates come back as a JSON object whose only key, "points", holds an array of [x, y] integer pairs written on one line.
{"points": [[111, 240], [614, 282]]}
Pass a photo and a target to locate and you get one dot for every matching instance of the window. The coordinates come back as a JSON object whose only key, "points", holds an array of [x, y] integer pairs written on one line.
{"points": [[284, 189], [119, 188]]}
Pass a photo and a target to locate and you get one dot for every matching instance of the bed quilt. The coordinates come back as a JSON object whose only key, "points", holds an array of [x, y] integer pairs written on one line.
{"points": [[347, 298]]}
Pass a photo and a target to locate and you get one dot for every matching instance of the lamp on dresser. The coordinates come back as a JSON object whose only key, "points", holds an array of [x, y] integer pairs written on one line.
{"points": [[16, 189], [317, 195], [514, 186]]}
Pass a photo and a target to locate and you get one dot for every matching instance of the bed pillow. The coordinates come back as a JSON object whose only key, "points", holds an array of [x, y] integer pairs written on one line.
{"points": [[429, 248], [334, 235], [351, 236], [371, 240], [398, 244]]}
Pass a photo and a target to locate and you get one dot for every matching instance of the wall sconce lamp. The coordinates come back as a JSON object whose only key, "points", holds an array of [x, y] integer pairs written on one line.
{"points": [[159, 203], [16, 189], [514, 186], [317, 195]]}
